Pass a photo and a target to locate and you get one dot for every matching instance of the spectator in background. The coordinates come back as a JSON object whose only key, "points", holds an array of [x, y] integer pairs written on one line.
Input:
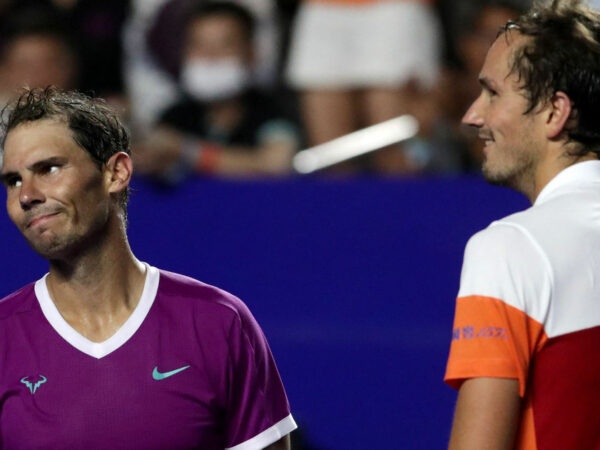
{"points": [[37, 51], [223, 126], [94, 31], [360, 62], [152, 53], [165, 34]]}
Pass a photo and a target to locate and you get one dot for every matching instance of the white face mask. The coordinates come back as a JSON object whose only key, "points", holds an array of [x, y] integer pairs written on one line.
{"points": [[210, 80]]}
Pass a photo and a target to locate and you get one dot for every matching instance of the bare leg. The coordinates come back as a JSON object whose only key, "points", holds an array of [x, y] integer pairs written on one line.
{"points": [[328, 114], [382, 104]]}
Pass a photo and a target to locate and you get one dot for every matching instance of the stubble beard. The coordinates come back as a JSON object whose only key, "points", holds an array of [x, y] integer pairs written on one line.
{"points": [[69, 244], [56, 247], [516, 171]]}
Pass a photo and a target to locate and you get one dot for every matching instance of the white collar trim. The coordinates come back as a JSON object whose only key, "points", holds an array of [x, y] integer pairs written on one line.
{"points": [[99, 349], [580, 173]]}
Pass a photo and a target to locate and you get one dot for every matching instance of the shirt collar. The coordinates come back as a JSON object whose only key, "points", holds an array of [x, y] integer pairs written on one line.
{"points": [[575, 175]]}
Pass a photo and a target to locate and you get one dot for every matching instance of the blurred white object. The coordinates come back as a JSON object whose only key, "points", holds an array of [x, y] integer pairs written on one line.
{"points": [[355, 144], [150, 88]]}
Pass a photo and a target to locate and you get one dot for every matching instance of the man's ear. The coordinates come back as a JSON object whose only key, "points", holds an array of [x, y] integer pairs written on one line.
{"points": [[560, 111], [119, 170]]}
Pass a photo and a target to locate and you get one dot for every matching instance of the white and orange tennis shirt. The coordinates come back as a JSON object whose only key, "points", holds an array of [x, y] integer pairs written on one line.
{"points": [[528, 308]]}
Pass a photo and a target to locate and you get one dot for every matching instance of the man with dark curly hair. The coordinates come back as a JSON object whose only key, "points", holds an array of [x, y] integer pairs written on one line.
{"points": [[525, 352], [105, 351]]}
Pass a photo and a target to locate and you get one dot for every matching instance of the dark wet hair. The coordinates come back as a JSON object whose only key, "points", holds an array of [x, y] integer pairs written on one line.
{"points": [[562, 53]]}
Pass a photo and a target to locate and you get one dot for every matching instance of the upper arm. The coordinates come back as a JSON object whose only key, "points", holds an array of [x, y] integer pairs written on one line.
{"points": [[503, 304], [487, 414], [256, 404]]}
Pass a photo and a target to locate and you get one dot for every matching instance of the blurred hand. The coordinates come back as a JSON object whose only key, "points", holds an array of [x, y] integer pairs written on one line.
{"points": [[275, 158]]}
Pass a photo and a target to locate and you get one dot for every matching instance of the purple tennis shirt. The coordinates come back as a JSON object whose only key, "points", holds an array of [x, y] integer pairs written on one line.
{"points": [[190, 369]]}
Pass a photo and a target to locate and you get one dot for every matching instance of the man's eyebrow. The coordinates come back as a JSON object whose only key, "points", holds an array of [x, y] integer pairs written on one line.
{"points": [[35, 167], [53, 160]]}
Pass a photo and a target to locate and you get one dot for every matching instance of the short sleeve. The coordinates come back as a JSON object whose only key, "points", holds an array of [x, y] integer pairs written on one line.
{"points": [[258, 411], [501, 307]]}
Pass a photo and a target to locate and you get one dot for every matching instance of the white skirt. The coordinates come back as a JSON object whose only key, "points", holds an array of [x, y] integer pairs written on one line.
{"points": [[381, 43]]}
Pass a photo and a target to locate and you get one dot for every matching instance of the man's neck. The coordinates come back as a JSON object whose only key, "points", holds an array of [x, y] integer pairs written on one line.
{"points": [[549, 169], [97, 292]]}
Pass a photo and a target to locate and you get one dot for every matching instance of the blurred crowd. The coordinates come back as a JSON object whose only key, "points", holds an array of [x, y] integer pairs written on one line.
{"points": [[237, 88]]}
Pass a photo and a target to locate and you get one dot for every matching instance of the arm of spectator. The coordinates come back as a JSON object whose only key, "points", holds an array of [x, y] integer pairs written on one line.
{"points": [[166, 150], [487, 414]]}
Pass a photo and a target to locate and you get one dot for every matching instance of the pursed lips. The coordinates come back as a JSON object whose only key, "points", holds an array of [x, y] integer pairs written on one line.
{"points": [[39, 218]]}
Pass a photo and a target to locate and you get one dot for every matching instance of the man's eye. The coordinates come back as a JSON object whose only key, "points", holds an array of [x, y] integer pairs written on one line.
{"points": [[494, 92], [12, 182], [50, 169]]}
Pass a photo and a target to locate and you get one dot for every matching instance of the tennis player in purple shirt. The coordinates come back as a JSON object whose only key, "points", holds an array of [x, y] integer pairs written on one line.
{"points": [[104, 351]]}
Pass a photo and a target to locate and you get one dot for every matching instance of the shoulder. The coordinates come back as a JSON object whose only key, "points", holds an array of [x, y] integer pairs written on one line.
{"points": [[499, 252], [17, 302], [504, 237], [506, 261], [527, 235], [198, 295], [215, 311]]}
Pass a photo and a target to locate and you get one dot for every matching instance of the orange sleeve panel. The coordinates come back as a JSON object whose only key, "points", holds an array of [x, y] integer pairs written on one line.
{"points": [[492, 339]]}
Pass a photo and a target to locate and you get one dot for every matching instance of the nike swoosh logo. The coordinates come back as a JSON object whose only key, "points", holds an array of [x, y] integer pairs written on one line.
{"points": [[162, 375]]}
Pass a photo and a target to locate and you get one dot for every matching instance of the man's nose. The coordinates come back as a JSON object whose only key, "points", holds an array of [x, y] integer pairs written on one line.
{"points": [[474, 117], [29, 194]]}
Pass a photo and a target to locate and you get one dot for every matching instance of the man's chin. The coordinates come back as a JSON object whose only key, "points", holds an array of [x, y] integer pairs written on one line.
{"points": [[495, 180], [495, 177], [48, 249]]}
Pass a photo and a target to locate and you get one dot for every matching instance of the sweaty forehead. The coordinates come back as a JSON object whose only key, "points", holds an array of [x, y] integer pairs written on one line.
{"points": [[46, 126], [29, 141]]}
